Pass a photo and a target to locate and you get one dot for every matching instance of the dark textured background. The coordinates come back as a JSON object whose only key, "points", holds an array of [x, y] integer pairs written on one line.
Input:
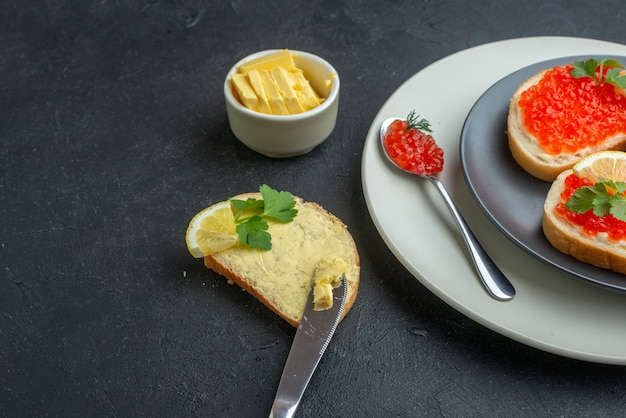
{"points": [[113, 134]]}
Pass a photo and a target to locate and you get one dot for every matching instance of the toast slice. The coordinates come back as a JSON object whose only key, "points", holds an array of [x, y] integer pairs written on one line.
{"points": [[282, 277], [569, 238], [527, 152]]}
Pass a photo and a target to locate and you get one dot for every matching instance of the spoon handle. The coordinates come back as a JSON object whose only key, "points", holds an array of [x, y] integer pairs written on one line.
{"points": [[495, 282]]}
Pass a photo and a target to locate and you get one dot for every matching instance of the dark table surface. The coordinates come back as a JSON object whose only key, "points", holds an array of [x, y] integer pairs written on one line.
{"points": [[114, 134]]}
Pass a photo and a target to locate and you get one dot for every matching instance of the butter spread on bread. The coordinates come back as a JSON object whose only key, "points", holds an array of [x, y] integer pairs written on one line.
{"points": [[282, 277]]}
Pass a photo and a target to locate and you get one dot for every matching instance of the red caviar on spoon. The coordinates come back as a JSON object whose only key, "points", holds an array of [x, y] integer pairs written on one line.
{"points": [[409, 144]]}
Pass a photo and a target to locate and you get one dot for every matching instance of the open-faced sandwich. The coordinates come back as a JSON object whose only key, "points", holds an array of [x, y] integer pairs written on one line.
{"points": [[563, 114], [277, 247], [585, 211]]}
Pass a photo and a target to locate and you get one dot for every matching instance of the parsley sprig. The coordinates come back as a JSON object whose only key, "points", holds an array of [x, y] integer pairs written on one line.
{"points": [[414, 122], [595, 69], [604, 198], [251, 215]]}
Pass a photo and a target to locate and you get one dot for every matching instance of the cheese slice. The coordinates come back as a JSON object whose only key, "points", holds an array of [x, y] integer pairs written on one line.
{"points": [[273, 95], [257, 86], [283, 82], [305, 93], [244, 91], [282, 58]]}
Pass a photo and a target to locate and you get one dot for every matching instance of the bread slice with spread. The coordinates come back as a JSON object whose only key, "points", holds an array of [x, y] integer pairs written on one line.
{"points": [[312, 250]]}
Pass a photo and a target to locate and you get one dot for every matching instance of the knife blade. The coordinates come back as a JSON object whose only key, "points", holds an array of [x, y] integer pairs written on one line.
{"points": [[314, 333]]}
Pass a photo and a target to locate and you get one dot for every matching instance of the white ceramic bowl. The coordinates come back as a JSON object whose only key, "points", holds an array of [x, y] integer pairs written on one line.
{"points": [[287, 135]]}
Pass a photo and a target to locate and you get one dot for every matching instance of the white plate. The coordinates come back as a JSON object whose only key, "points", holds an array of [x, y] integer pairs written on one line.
{"points": [[551, 311]]}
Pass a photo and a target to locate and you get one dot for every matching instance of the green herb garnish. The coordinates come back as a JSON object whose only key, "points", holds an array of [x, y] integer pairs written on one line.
{"points": [[605, 197], [251, 216], [595, 69], [414, 122]]}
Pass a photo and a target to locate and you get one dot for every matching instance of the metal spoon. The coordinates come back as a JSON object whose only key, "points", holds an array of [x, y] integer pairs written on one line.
{"points": [[494, 281]]}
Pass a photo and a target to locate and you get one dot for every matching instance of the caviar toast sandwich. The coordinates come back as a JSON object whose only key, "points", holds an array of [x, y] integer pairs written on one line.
{"points": [[563, 114], [277, 247], [585, 211]]}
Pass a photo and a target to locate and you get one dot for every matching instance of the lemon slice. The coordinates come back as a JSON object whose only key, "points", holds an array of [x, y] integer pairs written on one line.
{"points": [[608, 165], [212, 230]]}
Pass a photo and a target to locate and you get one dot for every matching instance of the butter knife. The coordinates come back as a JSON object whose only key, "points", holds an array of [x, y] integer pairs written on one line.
{"points": [[314, 332]]}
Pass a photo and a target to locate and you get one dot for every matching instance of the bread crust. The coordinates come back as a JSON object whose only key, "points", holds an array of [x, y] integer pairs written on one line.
{"points": [[569, 239], [530, 156], [216, 263]]}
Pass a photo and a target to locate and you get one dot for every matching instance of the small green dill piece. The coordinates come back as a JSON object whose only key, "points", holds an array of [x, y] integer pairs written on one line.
{"points": [[414, 122]]}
